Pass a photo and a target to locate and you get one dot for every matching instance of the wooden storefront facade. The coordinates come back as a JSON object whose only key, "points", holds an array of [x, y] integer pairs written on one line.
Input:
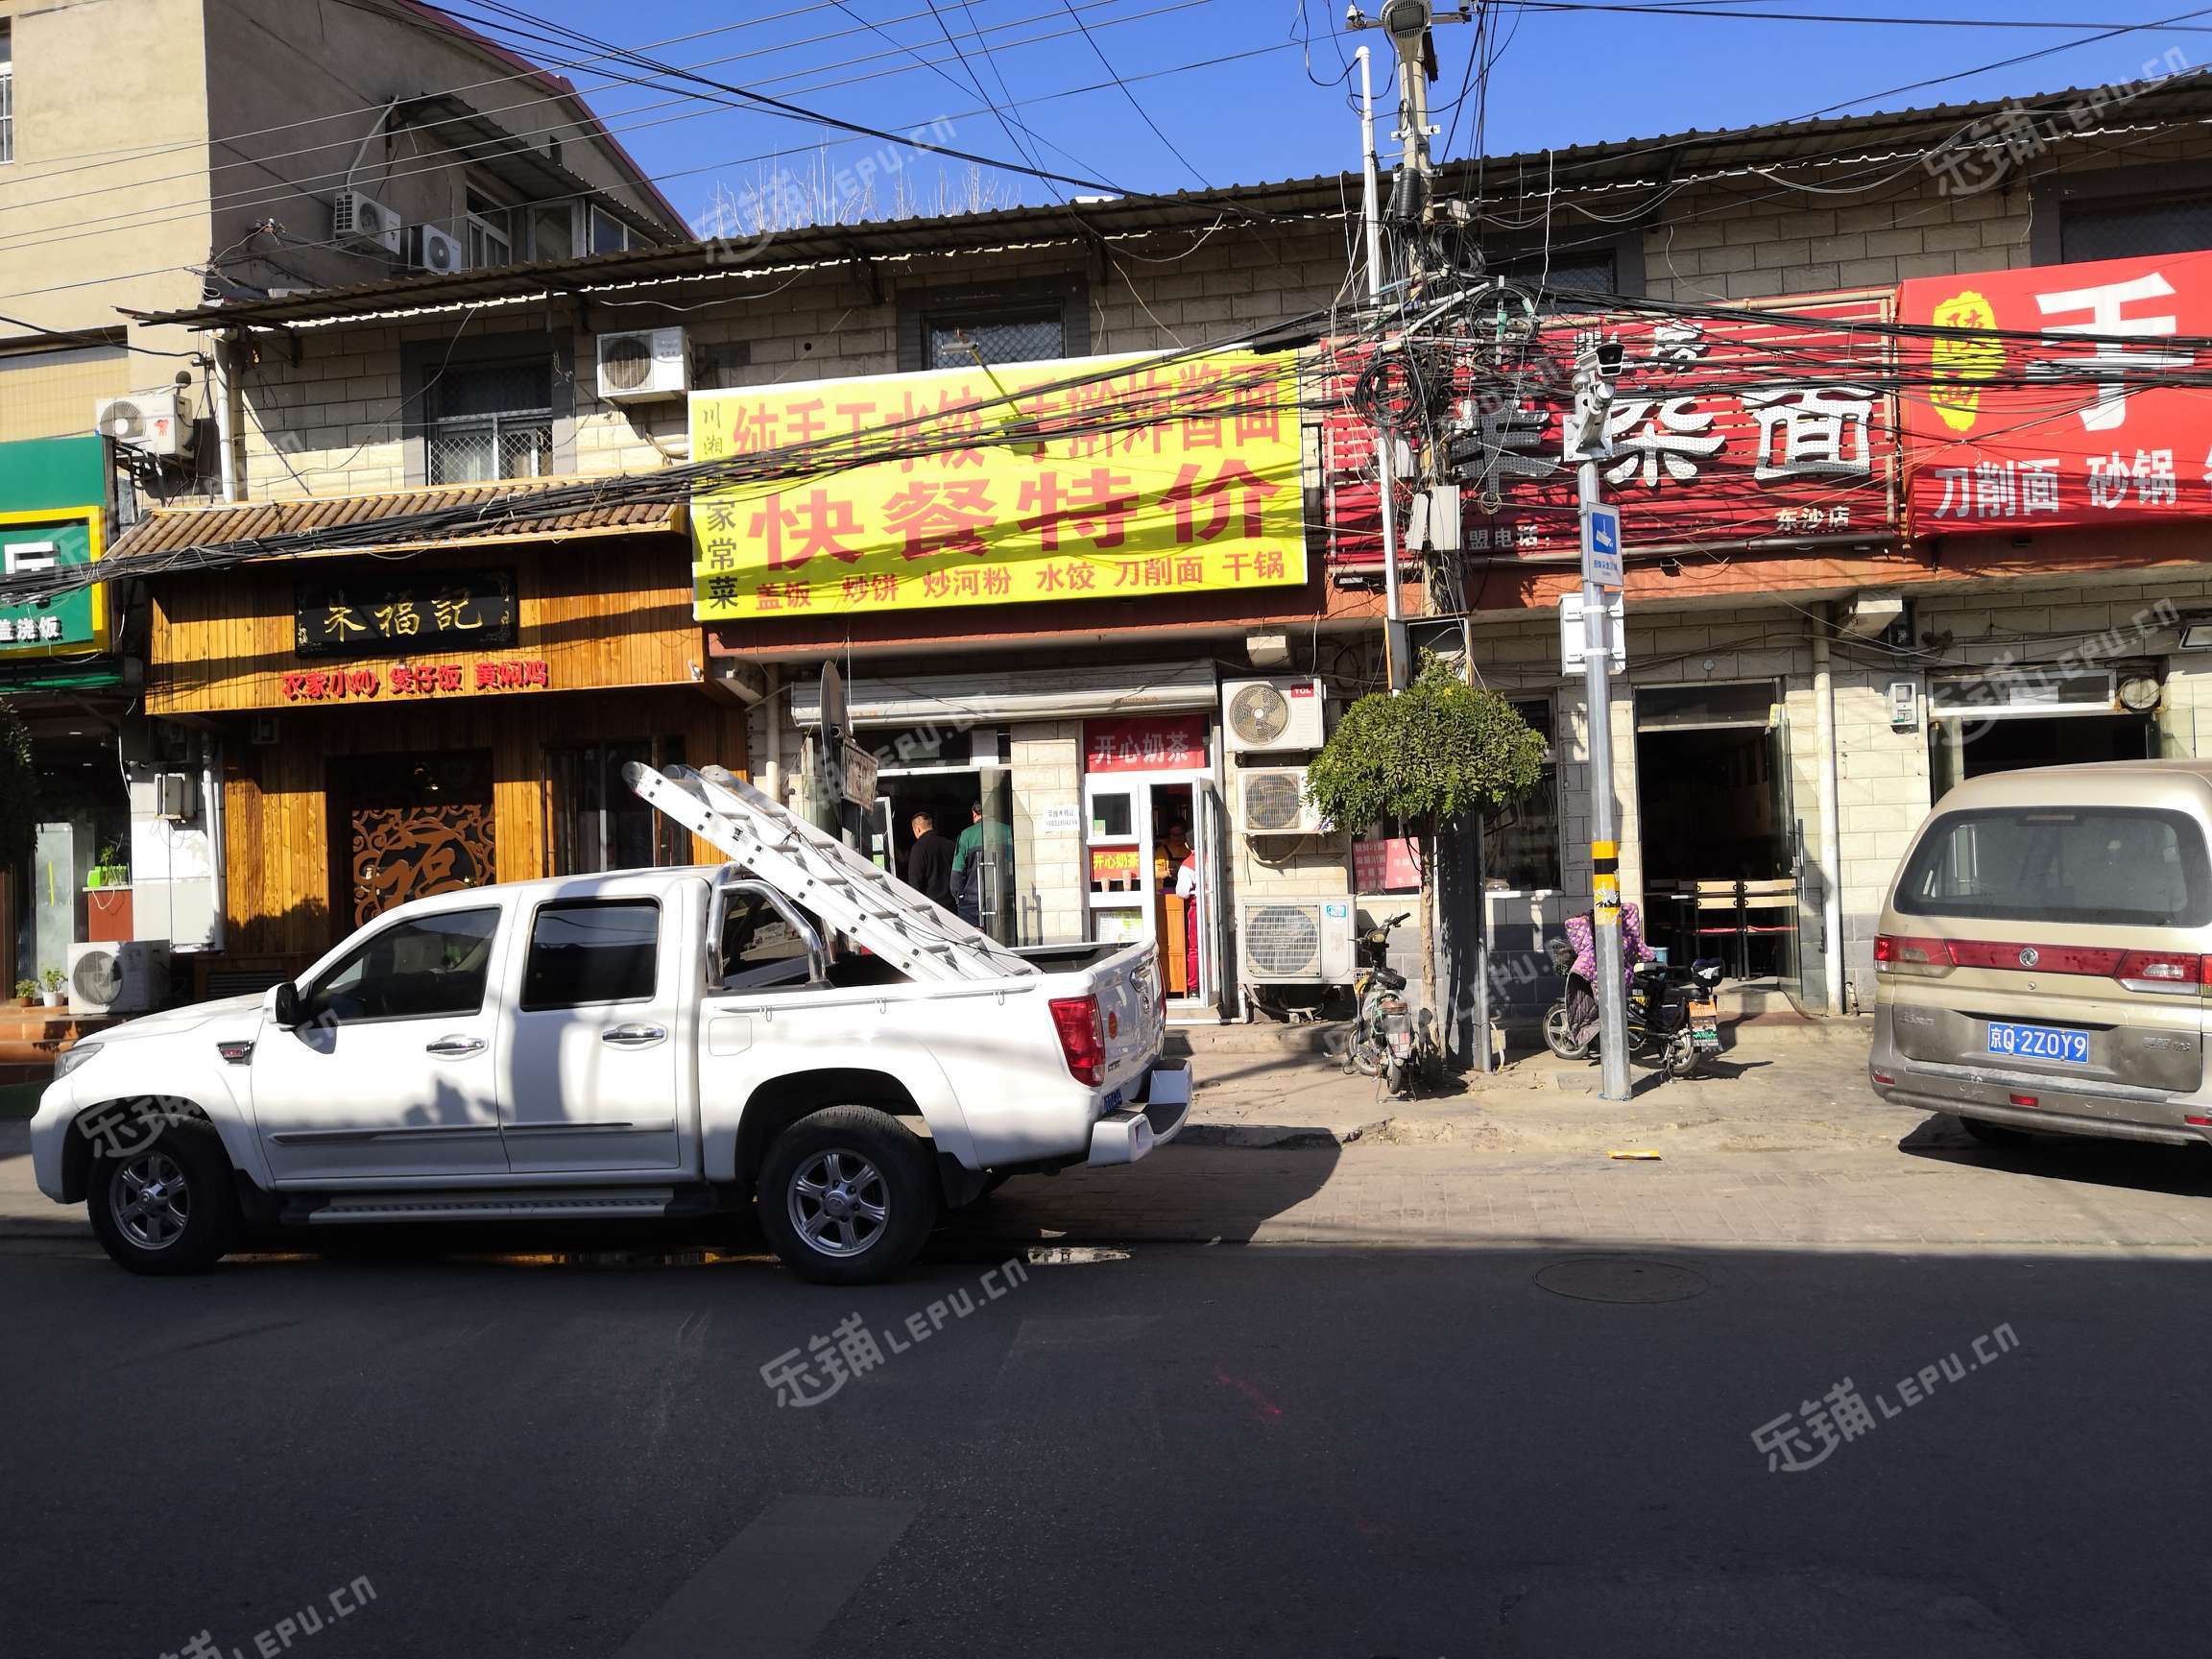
{"points": [[397, 726]]}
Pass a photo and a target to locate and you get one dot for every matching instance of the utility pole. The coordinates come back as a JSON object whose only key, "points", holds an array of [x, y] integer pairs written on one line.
{"points": [[1588, 444], [1408, 23]]}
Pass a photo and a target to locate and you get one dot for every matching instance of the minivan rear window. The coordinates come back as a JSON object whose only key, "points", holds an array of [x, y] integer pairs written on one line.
{"points": [[2109, 866]]}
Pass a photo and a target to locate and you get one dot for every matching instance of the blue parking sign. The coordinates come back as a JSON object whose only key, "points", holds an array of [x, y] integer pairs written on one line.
{"points": [[1601, 546]]}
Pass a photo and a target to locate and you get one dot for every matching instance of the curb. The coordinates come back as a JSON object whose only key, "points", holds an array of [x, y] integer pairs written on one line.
{"points": [[1273, 1137]]}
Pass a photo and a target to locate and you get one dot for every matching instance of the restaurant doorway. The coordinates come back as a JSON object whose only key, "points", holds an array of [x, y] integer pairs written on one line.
{"points": [[406, 826], [959, 777], [1717, 829], [1155, 849]]}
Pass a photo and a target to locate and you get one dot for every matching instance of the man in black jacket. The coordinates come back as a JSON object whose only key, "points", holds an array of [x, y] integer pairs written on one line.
{"points": [[929, 862]]}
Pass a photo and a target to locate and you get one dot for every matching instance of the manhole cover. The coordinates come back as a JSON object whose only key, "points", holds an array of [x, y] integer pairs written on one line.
{"points": [[1621, 1279]]}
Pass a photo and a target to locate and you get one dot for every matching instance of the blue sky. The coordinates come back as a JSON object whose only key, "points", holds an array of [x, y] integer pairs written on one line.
{"points": [[1562, 78]]}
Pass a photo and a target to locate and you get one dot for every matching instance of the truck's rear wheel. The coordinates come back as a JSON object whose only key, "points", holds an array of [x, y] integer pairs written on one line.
{"points": [[847, 1195], [167, 1206]]}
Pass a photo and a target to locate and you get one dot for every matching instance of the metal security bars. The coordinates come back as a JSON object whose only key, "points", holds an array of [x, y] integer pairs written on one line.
{"points": [[492, 422]]}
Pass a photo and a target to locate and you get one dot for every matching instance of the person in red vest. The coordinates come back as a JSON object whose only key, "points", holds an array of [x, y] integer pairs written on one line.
{"points": [[1187, 890]]}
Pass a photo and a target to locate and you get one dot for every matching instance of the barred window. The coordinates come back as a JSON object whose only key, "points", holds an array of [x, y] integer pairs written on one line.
{"points": [[490, 422], [2174, 225], [957, 344]]}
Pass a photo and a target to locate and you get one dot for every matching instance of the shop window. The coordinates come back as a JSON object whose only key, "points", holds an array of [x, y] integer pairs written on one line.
{"points": [[1521, 846], [593, 822], [2127, 231], [589, 955], [489, 422]]}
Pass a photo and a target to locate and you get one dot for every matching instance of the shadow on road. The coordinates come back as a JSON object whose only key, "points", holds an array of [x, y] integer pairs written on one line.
{"points": [[2185, 1171]]}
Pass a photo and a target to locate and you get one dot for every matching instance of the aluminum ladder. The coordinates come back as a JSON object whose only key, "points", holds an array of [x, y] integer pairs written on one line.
{"points": [[817, 869]]}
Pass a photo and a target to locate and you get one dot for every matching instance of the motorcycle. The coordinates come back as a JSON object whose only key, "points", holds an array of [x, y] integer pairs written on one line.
{"points": [[1674, 1013], [1389, 1040]]}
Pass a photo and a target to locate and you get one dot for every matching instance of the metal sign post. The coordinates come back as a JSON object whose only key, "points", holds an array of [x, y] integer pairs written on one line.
{"points": [[1588, 443]]}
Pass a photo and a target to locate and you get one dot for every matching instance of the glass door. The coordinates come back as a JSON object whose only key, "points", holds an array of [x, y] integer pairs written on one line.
{"points": [[1212, 894], [1791, 920], [1119, 846]]}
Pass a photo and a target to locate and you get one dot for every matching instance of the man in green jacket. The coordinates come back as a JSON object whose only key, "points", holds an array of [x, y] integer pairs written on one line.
{"points": [[984, 840]]}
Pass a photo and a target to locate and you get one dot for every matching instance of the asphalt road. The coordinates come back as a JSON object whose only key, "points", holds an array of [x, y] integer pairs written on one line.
{"points": [[1265, 1451]]}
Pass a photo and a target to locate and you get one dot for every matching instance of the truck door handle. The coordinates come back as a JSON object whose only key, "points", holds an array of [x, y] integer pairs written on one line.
{"points": [[634, 1036], [455, 1047]]}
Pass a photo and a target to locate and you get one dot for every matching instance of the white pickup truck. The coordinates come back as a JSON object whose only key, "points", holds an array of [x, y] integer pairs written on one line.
{"points": [[794, 1030]]}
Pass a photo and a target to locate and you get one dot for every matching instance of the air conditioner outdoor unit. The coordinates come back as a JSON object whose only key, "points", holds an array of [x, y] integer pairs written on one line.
{"points": [[1271, 801], [118, 978], [150, 422], [364, 222], [644, 366], [430, 248], [1284, 712], [1296, 941]]}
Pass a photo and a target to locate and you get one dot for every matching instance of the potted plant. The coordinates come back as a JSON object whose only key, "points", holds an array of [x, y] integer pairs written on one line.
{"points": [[50, 983], [111, 871], [26, 993]]}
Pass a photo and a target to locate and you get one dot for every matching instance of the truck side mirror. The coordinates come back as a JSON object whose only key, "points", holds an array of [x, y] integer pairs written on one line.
{"points": [[284, 1005]]}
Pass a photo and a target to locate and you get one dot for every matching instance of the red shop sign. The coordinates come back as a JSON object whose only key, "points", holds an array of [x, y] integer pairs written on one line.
{"points": [[1157, 743], [364, 684], [1388, 866], [2005, 435], [1725, 432]]}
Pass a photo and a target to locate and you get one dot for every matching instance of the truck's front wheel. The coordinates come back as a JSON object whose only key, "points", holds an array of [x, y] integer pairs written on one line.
{"points": [[847, 1195], [166, 1207]]}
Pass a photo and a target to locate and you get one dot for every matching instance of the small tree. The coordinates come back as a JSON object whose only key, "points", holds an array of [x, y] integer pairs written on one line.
{"points": [[1433, 755]]}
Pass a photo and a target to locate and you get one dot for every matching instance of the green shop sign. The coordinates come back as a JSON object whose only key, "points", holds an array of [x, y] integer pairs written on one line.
{"points": [[53, 515]]}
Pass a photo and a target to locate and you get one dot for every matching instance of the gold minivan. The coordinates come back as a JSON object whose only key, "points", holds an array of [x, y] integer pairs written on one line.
{"points": [[2045, 956]]}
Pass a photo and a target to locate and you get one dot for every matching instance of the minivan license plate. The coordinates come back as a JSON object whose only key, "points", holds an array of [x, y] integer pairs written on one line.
{"points": [[2038, 1043]]}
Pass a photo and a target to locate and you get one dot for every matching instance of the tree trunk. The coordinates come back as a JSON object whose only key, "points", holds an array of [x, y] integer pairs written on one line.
{"points": [[1429, 875]]}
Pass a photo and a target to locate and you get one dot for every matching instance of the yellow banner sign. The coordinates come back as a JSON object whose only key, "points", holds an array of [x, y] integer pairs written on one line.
{"points": [[1116, 478]]}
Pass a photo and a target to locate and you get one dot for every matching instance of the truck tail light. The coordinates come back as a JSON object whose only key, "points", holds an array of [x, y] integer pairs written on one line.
{"points": [[2163, 971], [1082, 1039], [1907, 953]]}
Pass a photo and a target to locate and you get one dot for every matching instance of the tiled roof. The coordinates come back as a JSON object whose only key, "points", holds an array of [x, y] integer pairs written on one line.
{"points": [[175, 529]]}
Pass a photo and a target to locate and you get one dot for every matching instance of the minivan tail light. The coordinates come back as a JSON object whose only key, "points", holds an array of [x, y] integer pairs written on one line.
{"points": [[2168, 971], [1908, 953], [1082, 1039]]}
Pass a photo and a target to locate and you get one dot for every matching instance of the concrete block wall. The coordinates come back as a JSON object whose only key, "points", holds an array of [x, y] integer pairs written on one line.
{"points": [[1725, 242], [335, 422], [1050, 881]]}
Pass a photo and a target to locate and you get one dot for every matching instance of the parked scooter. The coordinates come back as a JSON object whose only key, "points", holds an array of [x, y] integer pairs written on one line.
{"points": [[1674, 1013], [1389, 1039]]}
